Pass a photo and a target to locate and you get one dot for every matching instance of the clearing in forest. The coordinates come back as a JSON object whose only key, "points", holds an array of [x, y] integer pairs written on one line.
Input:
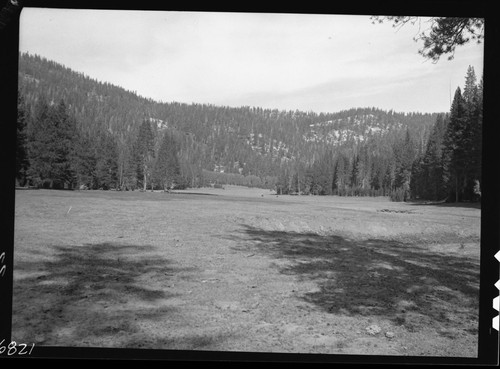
{"points": [[240, 269]]}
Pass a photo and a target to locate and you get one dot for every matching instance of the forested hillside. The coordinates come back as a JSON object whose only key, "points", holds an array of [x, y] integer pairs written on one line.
{"points": [[77, 132]]}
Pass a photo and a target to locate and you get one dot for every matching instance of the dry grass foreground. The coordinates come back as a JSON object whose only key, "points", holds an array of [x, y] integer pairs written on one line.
{"points": [[245, 270]]}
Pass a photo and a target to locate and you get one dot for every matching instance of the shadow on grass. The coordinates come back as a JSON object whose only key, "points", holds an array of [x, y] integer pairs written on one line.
{"points": [[101, 294], [378, 278]]}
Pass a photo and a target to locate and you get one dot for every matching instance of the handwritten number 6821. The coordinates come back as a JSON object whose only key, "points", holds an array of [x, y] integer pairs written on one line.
{"points": [[12, 348]]}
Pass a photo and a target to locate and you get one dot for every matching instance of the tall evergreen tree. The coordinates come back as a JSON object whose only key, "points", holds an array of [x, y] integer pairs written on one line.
{"points": [[342, 174], [66, 136], [354, 171], [476, 140], [167, 171], [454, 151], [85, 162], [470, 89], [144, 152], [388, 178], [335, 177], [376, 179], [106, 166], [52, 136], [427, 172], [127, 163], [22, 162], [322, 174], [404, 156], [419, 180], [451, 164], [472, 133], [433, 161], [40, 152]]}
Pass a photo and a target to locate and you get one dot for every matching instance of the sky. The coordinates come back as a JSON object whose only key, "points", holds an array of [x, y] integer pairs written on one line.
{"points": [[309, 62]]}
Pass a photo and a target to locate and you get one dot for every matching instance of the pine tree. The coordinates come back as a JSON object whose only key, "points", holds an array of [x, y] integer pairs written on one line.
{"points": [[472, 133], [321, 173], [41, 145], [335, 177], [388, 178], [38, 168], [66, 135], [470, 89], [454, 151], [419, 179], [106, 165], [427, 171], [85, 162], [52, 136], [432, 162], [144, 152], [342, 174], [167, 171], [354, 172], [476, 141], [127, 163], [22, 162], [283, 181], [376, 179], [404, 154], [451, 164]]}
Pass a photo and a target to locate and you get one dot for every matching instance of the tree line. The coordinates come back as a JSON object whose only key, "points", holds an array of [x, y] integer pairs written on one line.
{"points": [[77, 132], [450, 167], [246, 142], [51, 152], [447, 167]]}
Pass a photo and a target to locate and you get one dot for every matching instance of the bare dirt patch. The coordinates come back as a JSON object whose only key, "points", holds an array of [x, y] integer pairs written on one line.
{"points": [[245, 270]]}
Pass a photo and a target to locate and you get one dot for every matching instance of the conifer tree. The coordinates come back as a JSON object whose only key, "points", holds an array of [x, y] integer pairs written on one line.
{"points": [[22, 162], [454, 151], [127, 163], [444, 35], [388, 179], [451, 164], [167, 169], [106, 165], [66, 136], [376, 179], [404, 155], [419, 179], [282, 184], [472, 133], [52, 135], [342, 174], [354, 171], [476, 140], [427, 171], [144, 152], [85, 162], [335, 178], [39, 155], [433, 162]]}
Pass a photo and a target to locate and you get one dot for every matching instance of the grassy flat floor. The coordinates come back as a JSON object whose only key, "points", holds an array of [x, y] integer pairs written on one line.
{"points": [[245, 270]]}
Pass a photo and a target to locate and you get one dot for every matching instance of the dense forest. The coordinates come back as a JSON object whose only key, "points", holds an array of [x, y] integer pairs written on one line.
{"points": [[77, 132]]}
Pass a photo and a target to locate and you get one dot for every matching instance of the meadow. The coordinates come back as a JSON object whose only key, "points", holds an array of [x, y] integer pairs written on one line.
{"points": [[240, 269]]}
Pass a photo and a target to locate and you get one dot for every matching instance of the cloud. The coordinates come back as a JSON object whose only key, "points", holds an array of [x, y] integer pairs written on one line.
{"points": [[291, 60]]}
